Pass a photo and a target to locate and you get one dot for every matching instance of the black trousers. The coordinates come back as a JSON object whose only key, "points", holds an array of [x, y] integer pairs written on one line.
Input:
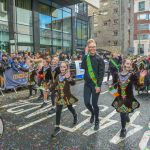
{"points": [[113, 74], [41, 91], [53, 95], [123, 117], [89, 90], [59, 110], [31, 88], [108, 75]]}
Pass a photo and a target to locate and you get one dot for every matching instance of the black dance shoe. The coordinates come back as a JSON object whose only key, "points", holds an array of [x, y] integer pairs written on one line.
{"points": [[75, 120], [123, 133], [56, 132], [43, 105], [92, 119], [96, 127], [52, 111]]}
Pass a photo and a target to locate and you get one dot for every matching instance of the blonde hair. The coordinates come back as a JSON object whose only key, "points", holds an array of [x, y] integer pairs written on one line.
{"points": [[67, 64], [91, 41]]}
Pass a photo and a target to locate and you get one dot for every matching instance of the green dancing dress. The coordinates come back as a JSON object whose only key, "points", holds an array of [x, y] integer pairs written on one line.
{"points": [[125, 102]]}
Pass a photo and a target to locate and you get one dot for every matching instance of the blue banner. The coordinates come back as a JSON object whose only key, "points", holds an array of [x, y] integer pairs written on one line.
{"points": [[15, 79]]}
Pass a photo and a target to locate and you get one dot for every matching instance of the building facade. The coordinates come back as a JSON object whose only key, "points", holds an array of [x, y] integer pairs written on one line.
{"points": [[114, 25], [39, 25], [142, 27]]}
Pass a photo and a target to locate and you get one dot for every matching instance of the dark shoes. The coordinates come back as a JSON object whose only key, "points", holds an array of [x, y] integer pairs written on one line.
{"points": [[96, 127], [56, 132], [43, 105], [75, 120], [52, 111], [92, 119], [123, 133]]}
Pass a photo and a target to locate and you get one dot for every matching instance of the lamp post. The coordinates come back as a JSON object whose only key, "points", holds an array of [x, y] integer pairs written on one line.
{"points": [[139, 45]]}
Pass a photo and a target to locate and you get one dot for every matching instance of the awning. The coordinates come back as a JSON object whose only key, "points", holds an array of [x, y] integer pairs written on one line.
{"points": [[94, 3]]}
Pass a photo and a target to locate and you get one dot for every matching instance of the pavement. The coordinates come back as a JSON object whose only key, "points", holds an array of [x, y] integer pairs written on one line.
{"points": [[27, 127]]}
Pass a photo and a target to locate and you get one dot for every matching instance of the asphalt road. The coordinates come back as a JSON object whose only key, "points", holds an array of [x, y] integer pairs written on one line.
{"points": [[27, 127]]}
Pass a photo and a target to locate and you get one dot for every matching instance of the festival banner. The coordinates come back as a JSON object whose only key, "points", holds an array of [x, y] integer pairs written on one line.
{"points": [[15, 79]]}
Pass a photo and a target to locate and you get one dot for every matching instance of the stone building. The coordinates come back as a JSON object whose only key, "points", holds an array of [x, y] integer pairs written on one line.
{"points": [[113, 25]]}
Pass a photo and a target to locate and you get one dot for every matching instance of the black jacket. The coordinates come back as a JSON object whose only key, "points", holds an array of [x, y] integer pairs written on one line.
{"points": [[3, 66], [46, 73], [98, 66]]}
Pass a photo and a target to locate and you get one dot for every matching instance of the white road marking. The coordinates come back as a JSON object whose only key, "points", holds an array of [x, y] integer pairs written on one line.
{"points": [[84, 113], [76, 127], [26, 110], [40, 120], [14, 104], [13, 110], [102, 124], [143, 145], [103, 92], [116, 139], [91, 130], [40, 111], [20, 105]]}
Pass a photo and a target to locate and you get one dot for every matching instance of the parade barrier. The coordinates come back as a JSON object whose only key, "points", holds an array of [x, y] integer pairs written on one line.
{"points": [[13, 80]]}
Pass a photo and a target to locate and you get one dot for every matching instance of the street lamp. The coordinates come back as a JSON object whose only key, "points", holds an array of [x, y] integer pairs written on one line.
{"points": [[139, 45]]}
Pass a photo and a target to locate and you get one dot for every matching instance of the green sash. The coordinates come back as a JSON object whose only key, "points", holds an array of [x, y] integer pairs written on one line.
{"points": [[115, 64], [90, 70]]}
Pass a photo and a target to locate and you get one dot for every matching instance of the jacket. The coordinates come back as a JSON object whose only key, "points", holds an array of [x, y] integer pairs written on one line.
{"points": [[98, 66]]}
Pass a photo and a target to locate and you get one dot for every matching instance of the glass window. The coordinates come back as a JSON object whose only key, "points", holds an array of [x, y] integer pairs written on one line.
{"points": [[115, 43], [81, 8], [25, 4], [67, 9], [66, 22], [4, 32], [45, 41], [116, 33], [67, 31], [45, 33], [45, 22], [25, 48], [142, 6], [24, 17], [82, 33], [115, 10], [79, 29], [25, 38], [57, 20], [144, 36], [24, 27], [143, 27], [57, 42], [116, 21], [57, 34], [143, 16], [141, 48], [76, 8]]}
